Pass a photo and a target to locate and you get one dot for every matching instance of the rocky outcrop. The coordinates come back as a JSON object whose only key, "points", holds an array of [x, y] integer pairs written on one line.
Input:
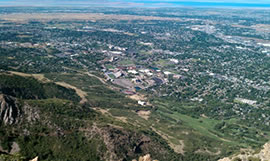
{"points": [[14, 148], [263, 155], [123, 144], [35, 159], [265, 152], [9, 110], [147, 157], [30, 114]]}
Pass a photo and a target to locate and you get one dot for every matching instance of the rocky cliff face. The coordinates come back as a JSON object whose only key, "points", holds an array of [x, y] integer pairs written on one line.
{"points": [[9, 110], [123, 144]]}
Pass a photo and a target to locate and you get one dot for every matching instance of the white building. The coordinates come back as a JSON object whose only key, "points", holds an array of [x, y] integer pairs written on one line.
{"points": [[132, 71], [174, 61], [142, 103]]}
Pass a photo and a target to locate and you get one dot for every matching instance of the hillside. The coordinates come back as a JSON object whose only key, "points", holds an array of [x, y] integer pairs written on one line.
{"points": [[60, 126], [56, 128], [251, 155]]}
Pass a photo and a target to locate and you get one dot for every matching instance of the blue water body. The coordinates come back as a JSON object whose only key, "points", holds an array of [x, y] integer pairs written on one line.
{"points": [[154, 68], [137, 88], [203, 4]]}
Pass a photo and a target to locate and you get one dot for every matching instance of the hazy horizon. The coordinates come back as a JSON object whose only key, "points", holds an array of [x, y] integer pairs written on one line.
{"points": [[139, 3]]}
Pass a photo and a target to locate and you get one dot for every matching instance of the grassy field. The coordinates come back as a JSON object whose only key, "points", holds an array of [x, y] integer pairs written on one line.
{"points": [[126, 62]]}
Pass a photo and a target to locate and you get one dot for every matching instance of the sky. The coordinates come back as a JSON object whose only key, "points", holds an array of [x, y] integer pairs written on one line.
{"points": [[138, 3]]}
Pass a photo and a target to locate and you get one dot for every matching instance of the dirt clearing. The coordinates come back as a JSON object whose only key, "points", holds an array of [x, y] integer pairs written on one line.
{"points": [[144, 114]]}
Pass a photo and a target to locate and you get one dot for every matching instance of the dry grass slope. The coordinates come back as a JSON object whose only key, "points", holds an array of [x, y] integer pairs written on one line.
{"points": [[25, 17]]}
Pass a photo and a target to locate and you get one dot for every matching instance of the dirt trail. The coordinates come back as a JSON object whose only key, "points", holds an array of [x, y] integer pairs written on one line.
{"points": [[106, 112], [178, 148], [39, 77], [79, 92], [102, 81]]}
